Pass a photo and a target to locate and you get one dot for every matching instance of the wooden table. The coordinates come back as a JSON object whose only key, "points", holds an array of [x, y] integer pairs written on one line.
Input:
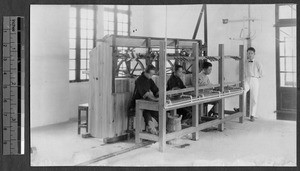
{"points": [[162, 137]]}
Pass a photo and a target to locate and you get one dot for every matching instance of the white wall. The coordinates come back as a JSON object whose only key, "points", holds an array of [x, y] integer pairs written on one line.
{"points": [[181, 24], [49, 85]]}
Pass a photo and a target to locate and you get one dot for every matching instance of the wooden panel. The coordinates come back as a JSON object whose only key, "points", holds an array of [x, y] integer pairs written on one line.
{"points": [[121, 102], [122, 85], [101, 95]]}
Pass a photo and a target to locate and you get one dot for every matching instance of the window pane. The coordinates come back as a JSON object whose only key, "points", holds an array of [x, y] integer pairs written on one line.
{"points": [[90, 24], [106, 32], [281, 49], [110, 26], [290, 64], [90, 44], [83, 34], [125, 27], [83, 54], [72, 43], [90, 34], [285, 12], [282, 79], [284, 33], [125, 18], [105, 25], [72, 54], [290, 47], [72, 23], [120, 17], [124, 33], [72, 33], [90, 14], [88, 64], [83, 13], [82, 74], [122, 7], [83, 44], [83, 23], [282, 64], [109, 6], [120, 33], [120, 27], [73, 12], [71, 74], [289, 78], [72, 64], [82, 64]]}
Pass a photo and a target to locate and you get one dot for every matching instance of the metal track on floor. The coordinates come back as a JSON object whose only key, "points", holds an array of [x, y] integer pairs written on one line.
{"points": [[143, 144]]}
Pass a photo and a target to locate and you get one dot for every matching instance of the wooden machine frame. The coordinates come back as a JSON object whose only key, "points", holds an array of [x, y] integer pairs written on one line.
{"points": [[196, 101]]}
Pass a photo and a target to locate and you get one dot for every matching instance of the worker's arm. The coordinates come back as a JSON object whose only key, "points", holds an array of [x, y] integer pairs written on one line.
{"points": [[149, 96]]}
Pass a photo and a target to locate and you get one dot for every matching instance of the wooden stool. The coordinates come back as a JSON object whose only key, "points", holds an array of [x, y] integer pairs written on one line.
{"points": [[83, 107]]}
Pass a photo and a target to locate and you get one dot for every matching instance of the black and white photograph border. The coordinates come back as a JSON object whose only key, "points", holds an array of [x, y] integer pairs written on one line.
{"points": [[85, 60]]}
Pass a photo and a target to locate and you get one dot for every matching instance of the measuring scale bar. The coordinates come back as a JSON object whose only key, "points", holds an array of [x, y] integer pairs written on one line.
{"points": [[13, 85]]}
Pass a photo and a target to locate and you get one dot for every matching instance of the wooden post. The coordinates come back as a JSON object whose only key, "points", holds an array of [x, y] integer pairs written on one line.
{"points": [[195, 111], [138, 120], [198, 22], [242, 99], [205, 30], [221, 82], [162, 97], [201, 106]]}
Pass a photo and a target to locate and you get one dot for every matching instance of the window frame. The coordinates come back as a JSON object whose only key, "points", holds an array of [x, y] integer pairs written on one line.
{"points": [[281, 23], [117, 11], [78, 41]]}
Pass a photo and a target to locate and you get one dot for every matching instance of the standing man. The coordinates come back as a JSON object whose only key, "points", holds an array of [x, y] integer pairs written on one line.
{"points": [[145, 88], [175, 83], [253, 74]]}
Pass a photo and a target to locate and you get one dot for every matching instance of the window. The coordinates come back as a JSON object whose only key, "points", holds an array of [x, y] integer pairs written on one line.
{"points": [[116, 19], [287, 54], [287, 46], [81, 41]]}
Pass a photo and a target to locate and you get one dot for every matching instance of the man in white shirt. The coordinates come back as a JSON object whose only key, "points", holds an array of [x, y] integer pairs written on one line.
{"points": [[253, 72], [203, 75], [204, 81]]}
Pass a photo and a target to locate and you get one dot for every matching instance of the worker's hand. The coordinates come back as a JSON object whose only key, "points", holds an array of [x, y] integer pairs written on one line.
{"points": [[175, 88]]}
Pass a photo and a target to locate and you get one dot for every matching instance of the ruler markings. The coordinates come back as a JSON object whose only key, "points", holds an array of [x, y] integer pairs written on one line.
{"points": [[13, 84]]}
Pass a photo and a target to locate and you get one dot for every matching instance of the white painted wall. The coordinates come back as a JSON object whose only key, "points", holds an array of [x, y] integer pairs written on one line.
{"points": [[49, 85]]}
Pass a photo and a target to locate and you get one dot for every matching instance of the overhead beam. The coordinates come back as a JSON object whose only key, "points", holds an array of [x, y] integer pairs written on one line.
{"points": [[198, 22]]}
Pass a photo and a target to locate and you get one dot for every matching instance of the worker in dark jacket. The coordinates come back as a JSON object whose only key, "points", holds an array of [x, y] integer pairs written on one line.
{"points": [[175, 83], [145, 88]]}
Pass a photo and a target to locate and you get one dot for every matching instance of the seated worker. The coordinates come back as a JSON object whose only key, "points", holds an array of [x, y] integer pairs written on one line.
{"points": [[204, 81], [175, 83], [145, 88]]}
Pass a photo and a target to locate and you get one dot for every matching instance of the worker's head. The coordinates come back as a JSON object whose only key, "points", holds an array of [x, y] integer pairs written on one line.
{"points": [[150, 71], [178, 70], [250, 53], [207, 67]]}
